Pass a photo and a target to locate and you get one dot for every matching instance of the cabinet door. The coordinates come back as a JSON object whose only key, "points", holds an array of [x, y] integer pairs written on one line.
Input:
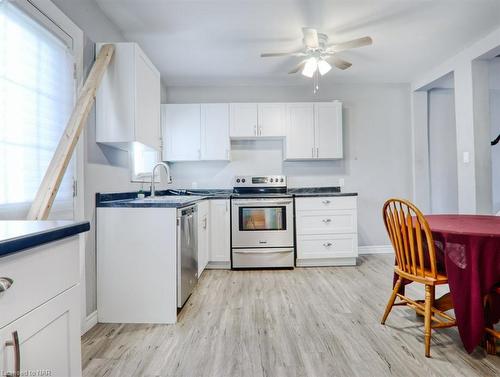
{"points": [[49, 338], [300, 131], [328, 130], [203, 235], [215, 131], [147, 101], [272, 119], [181, 132], [243, 119], [220, 246], [115, 112]]}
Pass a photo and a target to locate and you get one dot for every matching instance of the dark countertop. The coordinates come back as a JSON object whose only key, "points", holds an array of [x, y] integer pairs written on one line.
{"points": [[129, 199], [19, 235], [165, 201], [304, 192]]}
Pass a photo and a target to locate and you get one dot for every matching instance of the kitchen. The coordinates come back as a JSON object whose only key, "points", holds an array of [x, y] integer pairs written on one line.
{"points": [[220, 207]]}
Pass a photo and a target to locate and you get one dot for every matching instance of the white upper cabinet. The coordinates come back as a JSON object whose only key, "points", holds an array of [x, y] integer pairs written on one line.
{"points": [[314, 131], [202, 132], [272, 119], [244, 120], [253, 120], [128, 100], [328, 130], [194, 132], [215, 144], [181, 125], [300, 131]]}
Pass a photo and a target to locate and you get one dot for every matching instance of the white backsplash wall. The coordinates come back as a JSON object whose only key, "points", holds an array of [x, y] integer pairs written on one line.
{"points": [[377, 146]]}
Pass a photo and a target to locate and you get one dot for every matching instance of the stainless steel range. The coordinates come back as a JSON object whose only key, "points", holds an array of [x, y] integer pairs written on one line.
{"points": [[262, 223]]}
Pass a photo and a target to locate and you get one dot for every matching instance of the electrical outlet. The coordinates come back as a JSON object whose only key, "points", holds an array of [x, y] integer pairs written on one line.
{"points": [[341, 182]]}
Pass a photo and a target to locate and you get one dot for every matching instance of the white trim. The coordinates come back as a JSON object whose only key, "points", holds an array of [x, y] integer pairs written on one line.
{"points": [[326, 262], [90, 321], [218, 265], [376, 249], [52, 12]]}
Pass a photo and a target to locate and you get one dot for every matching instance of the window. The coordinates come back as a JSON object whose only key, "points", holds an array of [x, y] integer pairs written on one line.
{"points": [[37, 89]]}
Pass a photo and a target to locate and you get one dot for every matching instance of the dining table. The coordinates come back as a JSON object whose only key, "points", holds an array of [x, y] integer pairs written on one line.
{"points": [[468, 249]]}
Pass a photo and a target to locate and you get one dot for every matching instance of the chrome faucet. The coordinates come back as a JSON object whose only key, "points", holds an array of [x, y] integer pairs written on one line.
{"points": [[169, 178]]}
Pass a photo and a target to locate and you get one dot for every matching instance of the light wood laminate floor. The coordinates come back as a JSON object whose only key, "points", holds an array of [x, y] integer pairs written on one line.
{"points": [[305, 322]]}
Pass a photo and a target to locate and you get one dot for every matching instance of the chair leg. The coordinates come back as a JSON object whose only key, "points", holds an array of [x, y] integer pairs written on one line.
{"points": [[390, 304], [429, 302]]}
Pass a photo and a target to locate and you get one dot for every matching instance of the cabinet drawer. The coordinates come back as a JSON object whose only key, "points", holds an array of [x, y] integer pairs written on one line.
{"points": [[39, 274], [326, 222], [328, 246], [325, 203]]}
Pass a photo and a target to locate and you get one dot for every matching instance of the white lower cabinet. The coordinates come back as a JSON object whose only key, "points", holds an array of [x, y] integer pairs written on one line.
{"points": [[137, 265], [326, 231], [40, 312], [46, 341], [220, 230], [203, 234]]}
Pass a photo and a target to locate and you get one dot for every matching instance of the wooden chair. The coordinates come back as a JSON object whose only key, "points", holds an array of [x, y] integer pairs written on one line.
{"points": [[492, 335], [415, 252]]}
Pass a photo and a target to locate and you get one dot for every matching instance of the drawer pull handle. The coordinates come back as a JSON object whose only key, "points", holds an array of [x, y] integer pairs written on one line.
{"points": [[327, 221], [326, 201], [17, 354], [327, 244], [5, 283]]}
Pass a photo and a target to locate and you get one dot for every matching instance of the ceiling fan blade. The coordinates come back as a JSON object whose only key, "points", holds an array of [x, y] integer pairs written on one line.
{"points": [[310, 37], [298, 67], [360, 42], [339, 63], [273, 54], [290, 53]]}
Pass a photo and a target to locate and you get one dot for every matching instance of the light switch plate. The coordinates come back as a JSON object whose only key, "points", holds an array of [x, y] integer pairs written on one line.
{"points": [[466, 157]]}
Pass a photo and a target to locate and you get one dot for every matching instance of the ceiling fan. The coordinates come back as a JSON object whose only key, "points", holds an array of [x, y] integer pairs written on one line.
{"points": [[317, 54]]}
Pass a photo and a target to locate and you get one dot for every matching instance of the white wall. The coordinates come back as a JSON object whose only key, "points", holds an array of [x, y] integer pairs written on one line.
{"points": [[443, 151], [377, 161], [472, 119], [494, 75], [106, 169]]}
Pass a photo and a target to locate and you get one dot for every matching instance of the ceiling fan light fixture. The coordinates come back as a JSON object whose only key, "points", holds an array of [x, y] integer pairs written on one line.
{"points": [[323, 67], [310, 67]]}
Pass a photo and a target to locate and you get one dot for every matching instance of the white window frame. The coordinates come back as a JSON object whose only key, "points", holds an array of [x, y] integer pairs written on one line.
{"points": [[64, 27]]}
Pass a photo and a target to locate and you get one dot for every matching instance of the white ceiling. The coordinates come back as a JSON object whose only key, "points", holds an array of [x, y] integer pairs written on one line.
{"points": [[206, 42]]}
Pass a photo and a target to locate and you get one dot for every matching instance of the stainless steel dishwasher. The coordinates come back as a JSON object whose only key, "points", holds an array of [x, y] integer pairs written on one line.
{"points": [[187, 252]]}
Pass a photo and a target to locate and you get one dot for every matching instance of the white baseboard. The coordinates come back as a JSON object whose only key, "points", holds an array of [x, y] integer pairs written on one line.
{"points": [[218, 266], [377, 249], [326, 262], [90, 322]]}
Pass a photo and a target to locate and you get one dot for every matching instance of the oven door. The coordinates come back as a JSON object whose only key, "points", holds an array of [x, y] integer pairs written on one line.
{"points": [[262, 223]]}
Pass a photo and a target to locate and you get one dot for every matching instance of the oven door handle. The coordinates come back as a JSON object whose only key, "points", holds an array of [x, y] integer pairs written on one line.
{"points": [[262, 252], [263, 202]]}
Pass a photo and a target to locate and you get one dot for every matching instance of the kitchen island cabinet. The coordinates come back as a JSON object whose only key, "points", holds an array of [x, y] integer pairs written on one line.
{"points": [[40, 319]]}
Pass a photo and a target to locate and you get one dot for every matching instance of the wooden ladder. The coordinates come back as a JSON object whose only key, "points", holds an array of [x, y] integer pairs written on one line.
{"points": [[40, 208]]}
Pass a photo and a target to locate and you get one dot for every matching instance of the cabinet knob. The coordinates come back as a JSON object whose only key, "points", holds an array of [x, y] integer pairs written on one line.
{"points": [[327, 244], [326, 201], [327, 221], [5, 283]]}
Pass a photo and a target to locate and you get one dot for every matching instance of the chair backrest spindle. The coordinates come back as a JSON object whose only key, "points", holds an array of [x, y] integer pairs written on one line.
{"points": [[411, 238]]}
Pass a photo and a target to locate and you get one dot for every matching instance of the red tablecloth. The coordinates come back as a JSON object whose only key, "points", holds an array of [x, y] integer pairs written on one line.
{"points": [[468, 249], [470, 246]]}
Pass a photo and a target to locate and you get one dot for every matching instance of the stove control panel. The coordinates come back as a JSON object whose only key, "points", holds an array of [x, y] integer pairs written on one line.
{"points": [[260, 181]]}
